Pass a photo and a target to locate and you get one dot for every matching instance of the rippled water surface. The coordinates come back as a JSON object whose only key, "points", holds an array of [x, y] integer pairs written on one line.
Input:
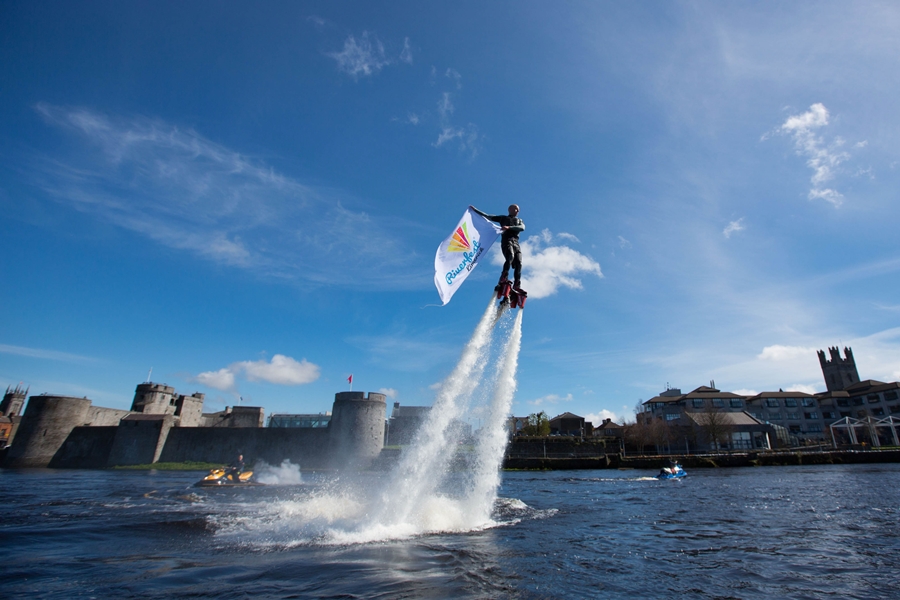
{"points": [[797, 532]]}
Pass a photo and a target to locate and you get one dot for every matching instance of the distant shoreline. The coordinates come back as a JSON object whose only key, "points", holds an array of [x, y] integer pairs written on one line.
{"points": [[705, 461]]}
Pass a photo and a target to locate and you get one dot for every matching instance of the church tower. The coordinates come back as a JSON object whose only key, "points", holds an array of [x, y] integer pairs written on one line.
{"points": [[840, 373]]}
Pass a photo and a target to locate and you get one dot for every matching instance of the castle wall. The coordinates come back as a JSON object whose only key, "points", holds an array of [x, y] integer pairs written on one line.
{"points": [[236, 416], [139, 439], [101, 417], [47, 422], [307, 447], [85, 448]]}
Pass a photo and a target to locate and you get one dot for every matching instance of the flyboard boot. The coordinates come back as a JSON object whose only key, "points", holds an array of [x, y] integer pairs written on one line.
{"points": [[517, 296], [503, 289]]}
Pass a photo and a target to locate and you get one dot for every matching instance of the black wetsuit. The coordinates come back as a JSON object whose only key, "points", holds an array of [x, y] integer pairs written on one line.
{"points": [[509, 243], [235, 470]]}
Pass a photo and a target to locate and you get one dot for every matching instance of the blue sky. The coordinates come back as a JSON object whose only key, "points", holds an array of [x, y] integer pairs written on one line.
{"points": [[248, 198]]}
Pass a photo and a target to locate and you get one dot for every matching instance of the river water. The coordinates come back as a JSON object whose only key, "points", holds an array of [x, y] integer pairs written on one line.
{"points": [[786, 532]]}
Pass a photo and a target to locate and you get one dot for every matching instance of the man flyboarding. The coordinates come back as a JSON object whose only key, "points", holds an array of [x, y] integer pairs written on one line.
{"points": [[512, 226]]}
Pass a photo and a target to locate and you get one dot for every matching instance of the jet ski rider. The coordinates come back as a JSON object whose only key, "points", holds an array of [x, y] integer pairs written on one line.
{"points": [[235, 470], [512, 226]]}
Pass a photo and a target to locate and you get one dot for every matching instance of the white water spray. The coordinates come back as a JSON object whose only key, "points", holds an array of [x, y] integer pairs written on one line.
{"points": [[423, 493]]}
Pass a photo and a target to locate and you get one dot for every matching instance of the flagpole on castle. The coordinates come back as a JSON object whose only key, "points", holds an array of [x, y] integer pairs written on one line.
{"points": [[350, 379]]}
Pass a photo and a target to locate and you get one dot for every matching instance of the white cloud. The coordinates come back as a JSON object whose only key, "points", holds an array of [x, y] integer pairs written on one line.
{"points": [[733, 227], [389, 392], [468, 137], [782, 353], [623, 243], [546, 268], [798, 387], [186, 192], [823, 159], [597, 418], [406, 54], [363, 57], [745, 392], [568, 236], [223, 379], [550, 399], [280, 370], [455, 76]]}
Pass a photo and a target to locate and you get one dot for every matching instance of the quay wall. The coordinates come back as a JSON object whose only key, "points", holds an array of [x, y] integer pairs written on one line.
{"points": [[305, 447], [85, 448]]}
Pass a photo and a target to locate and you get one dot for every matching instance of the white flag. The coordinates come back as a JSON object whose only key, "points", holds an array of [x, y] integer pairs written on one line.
{"points": [[459, 253]]}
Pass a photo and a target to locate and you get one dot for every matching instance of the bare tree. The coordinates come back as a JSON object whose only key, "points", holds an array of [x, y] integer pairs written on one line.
{"points": [[716, 426]]}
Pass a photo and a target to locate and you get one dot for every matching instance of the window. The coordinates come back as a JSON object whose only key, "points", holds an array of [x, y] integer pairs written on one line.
{"points": [[845, 414], [895, 409], [717, 402], [774, 416], [873, 398], [737, 403], [811, 415], [793, 416], [890, 395], [843, 402], [878, 411], [829, 414], [790, 402], [673, 417], [772, 402], [698, 403], [807, 402], [814, 428], [794, 429], [857, 401]]}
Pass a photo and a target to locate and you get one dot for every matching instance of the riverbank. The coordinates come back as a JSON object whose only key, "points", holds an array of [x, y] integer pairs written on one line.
{"points": [[704, 461]]}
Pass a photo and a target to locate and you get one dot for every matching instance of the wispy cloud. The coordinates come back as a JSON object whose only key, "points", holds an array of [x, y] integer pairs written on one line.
{"points": [[467, 138], [406, 54], [547, 267], [280, 370], [822, 158], [782, 353], [187, 192], [733, 227], [389, 392], [550, 399], [45, 354], [365, 56], [455, 76]]}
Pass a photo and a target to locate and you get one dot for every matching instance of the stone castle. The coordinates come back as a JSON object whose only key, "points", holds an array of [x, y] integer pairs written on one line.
{"points": [[163, 426]]}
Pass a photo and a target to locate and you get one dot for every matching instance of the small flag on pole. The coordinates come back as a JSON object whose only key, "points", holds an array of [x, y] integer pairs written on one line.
{"points": [[350, 381]]}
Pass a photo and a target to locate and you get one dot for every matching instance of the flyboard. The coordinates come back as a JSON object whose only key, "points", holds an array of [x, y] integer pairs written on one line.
{"points": [[459, 254]]}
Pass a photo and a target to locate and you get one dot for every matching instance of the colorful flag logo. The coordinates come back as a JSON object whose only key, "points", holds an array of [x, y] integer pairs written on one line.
{"points": [[459, 242]]}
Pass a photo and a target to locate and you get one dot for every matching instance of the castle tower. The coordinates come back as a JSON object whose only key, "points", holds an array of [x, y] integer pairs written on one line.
{"points": [[840, 373], [154, 399], [13, 401], [47, 422], [356, 430]]}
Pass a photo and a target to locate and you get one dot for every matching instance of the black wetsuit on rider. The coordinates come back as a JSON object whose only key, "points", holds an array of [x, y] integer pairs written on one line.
{"points": [[509, 242], [235, 470]]}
